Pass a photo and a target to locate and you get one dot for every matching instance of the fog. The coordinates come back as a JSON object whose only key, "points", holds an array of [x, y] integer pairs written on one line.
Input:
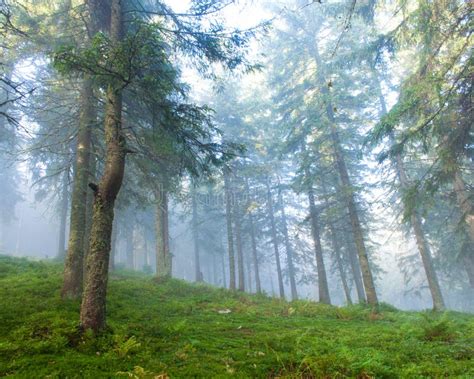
{"points": [[334, 168]]}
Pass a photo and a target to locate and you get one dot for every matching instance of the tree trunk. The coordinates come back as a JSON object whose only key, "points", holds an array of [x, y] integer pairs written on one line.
{"points": [[93, 309], [113, 249], [347, 188], [339, 263], [464, 203], [197, 265], [63, 215], [433, 282], [322, 277], [230, 236], [337, 251], [238, 244], [166, 236], [81, 200], [468, 261], [74, 264], [224, 279], [275, 240], [89, 205], [355, 267], [163, 260], [367, 278], [289, 250], [253, 242]]}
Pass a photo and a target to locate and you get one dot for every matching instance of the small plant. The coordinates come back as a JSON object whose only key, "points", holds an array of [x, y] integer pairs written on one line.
{"points": [[437, 330], [125, 346]]}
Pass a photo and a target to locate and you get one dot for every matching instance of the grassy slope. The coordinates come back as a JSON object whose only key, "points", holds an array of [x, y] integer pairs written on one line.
{"points": [[175, 328]]}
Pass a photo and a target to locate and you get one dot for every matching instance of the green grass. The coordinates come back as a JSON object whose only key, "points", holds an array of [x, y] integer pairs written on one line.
{"points": [[175, 328]]}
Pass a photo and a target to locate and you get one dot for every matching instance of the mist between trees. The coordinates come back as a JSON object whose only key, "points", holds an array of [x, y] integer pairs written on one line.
{"points": [[326, 152]]}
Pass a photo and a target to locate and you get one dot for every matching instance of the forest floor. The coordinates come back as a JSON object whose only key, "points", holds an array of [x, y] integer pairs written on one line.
{"points": [[184, 330]]}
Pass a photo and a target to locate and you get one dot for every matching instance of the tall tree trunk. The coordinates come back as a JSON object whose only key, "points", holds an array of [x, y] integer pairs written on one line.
{"points": [[230, 236], [166, 235], [431, 276], [337, 251], [322, 277], [224, 279], [74, 264], [238, 244], [288, 248], [81, 200], [93, 310], [197, 265], [347, 188], [367, 278], [64, 202], [275, 240], [163, 260], [253, 242]]}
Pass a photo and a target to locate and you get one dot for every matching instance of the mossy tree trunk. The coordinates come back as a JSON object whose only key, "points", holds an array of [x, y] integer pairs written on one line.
{"points": [[64, 202], [80, 208], [93, 307], [74, 264], [271, 215]]}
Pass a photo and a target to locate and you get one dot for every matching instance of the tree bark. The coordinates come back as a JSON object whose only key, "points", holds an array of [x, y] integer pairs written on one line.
{"points": [[89, 205], [230, 236], [288, 248], [113, 249], [64, 202], [93, 307], [74, 264], [275, 240]]}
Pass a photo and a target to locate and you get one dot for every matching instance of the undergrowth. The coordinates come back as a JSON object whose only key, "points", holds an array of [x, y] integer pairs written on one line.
{"points": [[178, 330]]}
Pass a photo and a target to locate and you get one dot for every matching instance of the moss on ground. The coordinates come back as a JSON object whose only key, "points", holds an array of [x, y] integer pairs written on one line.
{"points": [[175, 329]]}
